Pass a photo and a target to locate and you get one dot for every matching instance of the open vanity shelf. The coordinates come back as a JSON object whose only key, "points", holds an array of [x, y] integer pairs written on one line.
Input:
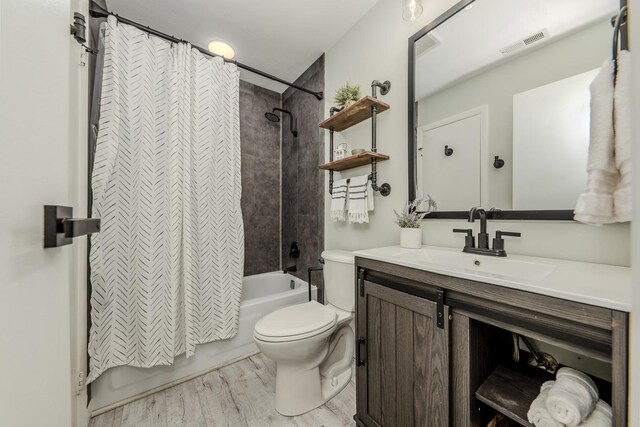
{"points": [[360, 159], [354, 114], [340, 119], [510, 391]]}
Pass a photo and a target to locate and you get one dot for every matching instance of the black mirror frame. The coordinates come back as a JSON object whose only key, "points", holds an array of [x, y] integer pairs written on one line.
{"points": [[536, 215]]}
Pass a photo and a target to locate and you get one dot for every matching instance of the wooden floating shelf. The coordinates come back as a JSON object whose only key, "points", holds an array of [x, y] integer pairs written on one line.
{"points": [[360, 159], [510, 391], [354, 114]]}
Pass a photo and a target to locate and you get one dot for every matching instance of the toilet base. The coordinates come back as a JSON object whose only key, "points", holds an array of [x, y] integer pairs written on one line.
{"points": [[299, 391]]}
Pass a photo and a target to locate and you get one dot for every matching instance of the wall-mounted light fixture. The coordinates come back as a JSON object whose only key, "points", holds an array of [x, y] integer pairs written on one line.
{"points": [[411, 10]]}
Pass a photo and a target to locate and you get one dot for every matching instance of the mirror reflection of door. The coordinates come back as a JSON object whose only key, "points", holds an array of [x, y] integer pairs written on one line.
{"points": [[452, 177]]}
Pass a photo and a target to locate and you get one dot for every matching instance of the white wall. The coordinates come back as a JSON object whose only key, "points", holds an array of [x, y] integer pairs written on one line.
{"points": [[39, 152], [376, 48], [635, 315]]}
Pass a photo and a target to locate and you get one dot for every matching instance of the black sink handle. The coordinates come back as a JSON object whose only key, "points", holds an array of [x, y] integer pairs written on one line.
{"points": [[499, 234], [469, 240]]}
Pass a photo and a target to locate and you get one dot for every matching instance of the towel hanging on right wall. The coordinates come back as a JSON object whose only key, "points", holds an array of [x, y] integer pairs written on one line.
{"points": [[607, 198]]}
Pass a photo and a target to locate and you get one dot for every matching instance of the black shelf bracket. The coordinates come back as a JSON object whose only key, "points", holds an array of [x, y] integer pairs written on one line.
{"points": [[384, 189], [332, 111]]}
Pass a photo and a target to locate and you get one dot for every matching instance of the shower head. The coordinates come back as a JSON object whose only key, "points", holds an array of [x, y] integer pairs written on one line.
{"points": [[273, 117]]}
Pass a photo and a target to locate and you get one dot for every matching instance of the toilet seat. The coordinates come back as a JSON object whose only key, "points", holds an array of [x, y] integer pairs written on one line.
{"points": [[296, 322]]}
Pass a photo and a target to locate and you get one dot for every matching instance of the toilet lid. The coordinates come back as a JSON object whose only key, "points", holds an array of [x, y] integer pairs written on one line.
{"points": [[296, 322]]}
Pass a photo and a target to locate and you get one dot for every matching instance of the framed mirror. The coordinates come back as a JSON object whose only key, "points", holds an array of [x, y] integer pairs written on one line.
{"points": [[499, 105]]}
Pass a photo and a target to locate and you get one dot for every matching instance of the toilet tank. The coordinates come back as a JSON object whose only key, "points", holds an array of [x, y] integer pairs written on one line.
{"points": [[339, 279]]}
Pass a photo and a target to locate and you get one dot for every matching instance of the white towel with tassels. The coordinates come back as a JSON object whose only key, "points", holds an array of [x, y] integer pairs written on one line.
{"points": [[359, 199], [339, 199], [595, 205], [622, 126]]}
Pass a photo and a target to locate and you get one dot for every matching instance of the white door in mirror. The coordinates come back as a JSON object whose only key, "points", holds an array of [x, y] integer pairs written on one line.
{"points": [[449, 160]]}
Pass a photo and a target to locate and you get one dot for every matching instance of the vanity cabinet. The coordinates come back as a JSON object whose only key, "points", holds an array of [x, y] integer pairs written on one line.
{"points": [[403, 359], [436, 350]]}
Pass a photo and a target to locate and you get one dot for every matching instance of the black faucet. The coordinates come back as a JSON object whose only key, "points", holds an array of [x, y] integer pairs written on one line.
{"points": [[483, 236], [291, 269]]}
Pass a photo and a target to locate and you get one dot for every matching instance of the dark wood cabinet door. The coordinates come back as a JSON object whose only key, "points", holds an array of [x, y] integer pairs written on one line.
{"points": [[403, 360]]}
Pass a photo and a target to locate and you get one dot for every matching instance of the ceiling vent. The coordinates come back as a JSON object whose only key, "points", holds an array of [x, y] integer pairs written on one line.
{"points": [[426, 43], [525, 42]]}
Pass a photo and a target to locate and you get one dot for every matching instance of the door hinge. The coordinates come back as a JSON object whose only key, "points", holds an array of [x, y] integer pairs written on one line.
{"points": [[80, 382], [361, 281], [440, 308], [361, 351]]}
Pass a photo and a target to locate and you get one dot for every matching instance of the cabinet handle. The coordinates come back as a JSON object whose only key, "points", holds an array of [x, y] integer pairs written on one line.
{"points": [[440, 308], [361, 351]]}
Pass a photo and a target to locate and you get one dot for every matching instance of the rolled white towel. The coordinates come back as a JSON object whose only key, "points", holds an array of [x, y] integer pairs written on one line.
{"points": [[538, 414], [602, 416], [572, 398]]}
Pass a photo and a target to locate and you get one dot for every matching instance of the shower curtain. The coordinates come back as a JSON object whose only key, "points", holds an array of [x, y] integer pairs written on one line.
{"points": [[167, 265]]}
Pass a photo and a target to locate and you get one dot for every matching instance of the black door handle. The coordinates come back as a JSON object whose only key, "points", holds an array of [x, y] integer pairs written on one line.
{"points": [[60, 228], [74, 227]]}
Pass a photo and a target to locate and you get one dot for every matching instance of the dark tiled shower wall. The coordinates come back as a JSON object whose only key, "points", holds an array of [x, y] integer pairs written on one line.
{"points": [[260, 144], [302, 181]]}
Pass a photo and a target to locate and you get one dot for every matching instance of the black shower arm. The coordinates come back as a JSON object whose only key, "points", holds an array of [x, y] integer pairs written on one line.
{"points": [[292, 128]]}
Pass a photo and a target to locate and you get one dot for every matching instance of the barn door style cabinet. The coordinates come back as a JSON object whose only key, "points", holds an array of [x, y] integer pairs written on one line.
{"points": [[435, 350], [402, 358]]}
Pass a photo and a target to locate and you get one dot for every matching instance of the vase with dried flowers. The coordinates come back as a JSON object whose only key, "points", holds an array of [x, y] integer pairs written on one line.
{"points": [[410, 220]]}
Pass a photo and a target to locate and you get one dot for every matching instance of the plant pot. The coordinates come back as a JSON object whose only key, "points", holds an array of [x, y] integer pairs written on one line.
{"points": [[411, 238], [349, 103]]}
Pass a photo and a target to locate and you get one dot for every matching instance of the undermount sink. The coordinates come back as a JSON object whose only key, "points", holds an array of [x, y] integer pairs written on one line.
{"points": [[485, 266]]}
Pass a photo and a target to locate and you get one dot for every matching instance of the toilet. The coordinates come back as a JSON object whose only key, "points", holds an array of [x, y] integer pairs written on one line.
{"points": [[313, 344]]}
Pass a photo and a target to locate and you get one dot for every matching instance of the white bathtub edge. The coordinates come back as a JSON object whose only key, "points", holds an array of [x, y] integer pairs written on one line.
{"points": [[100, 411]]}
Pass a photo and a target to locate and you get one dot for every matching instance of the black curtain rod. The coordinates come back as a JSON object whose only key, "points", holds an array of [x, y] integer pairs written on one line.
{"points": [[98, 12]]}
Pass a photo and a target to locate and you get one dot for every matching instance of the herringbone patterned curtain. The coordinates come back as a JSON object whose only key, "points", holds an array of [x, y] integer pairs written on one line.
{"points": [[166, 268]]}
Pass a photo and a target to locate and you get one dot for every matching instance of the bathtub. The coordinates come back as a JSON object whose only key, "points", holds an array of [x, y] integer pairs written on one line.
{"points": [[261, 294]]}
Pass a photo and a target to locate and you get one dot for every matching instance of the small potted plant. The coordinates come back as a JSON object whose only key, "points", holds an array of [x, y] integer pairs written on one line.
{"points": [[347, 95], [410, 221]]}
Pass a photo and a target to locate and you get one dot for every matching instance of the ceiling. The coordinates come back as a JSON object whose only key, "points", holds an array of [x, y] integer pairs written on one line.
{"points": [[280, 37], [470, 41]]}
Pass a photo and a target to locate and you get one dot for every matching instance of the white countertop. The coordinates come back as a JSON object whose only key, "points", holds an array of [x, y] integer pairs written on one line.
{"points": [[595, 284]]}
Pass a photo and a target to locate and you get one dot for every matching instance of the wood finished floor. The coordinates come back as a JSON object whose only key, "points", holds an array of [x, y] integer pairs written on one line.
{"points": [[240, 394]]}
